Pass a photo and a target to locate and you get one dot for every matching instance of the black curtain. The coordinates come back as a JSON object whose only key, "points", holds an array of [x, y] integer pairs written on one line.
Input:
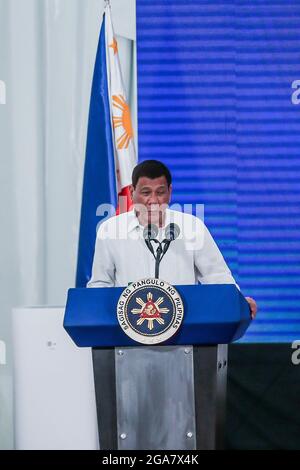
{"points": [[263, 399]]}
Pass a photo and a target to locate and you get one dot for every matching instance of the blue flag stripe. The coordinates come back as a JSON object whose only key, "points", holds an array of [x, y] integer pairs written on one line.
{"points": [[99, 184]]}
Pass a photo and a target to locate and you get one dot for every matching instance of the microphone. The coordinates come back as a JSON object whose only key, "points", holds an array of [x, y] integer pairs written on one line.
{"points": [[172, 232], [150, 232]]}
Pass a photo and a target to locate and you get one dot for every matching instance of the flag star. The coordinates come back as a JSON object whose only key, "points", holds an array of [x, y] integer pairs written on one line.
{"points": [[114, 46]]}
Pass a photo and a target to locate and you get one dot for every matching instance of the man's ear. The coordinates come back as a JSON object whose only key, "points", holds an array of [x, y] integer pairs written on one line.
{"points": [[131, 189], [170, 192]]}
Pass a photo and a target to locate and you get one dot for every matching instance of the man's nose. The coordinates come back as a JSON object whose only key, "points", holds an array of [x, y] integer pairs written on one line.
{"points": [[153, 199]]}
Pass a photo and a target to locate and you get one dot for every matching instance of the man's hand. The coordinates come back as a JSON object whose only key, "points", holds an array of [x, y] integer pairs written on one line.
{"points": [[253, 306]]}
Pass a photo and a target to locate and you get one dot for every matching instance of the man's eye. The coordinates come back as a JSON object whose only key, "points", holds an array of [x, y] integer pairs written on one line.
{"points": [[145, 194]]}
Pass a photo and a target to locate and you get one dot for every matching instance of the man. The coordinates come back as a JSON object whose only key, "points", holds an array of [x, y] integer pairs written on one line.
{"points": [[122, 256]]}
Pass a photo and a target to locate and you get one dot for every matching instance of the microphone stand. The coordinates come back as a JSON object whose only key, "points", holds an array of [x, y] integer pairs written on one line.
{"points": [[158, 260], [160, 252]]}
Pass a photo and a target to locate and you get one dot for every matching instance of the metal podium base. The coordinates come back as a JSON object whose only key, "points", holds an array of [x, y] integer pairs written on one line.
{"points": [[161, 397]]}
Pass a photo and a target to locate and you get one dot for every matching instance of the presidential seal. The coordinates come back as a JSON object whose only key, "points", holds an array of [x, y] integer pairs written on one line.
{"points": [[150, 311]]}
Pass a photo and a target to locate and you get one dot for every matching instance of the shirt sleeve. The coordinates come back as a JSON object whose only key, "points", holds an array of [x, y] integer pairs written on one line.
{"points": [[103, 271], [210, 265]]}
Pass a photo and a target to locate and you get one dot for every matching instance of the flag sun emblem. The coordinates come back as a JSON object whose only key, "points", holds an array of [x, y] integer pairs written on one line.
{"points": [[150, 311], [122, 121]]}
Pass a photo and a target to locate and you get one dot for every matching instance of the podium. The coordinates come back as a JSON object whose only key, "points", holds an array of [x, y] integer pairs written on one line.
{"points": [[165, 397]]}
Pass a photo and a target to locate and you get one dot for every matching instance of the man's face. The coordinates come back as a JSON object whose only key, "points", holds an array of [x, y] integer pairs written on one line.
{"points": [[150, 198]]}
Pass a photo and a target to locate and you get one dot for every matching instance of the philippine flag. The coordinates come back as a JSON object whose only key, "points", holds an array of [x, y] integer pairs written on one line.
{"points": [[110, 150]]}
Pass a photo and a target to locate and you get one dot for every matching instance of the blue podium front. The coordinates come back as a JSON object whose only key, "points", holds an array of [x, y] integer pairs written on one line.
{"points": [[213, 314]]}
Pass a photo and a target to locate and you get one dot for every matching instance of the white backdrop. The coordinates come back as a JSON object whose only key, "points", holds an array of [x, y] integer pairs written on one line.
{"points": [[47, 53]]}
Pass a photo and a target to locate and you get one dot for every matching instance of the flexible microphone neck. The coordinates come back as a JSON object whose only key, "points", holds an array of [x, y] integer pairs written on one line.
{"points": [[150, 233], [158, 259]]}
